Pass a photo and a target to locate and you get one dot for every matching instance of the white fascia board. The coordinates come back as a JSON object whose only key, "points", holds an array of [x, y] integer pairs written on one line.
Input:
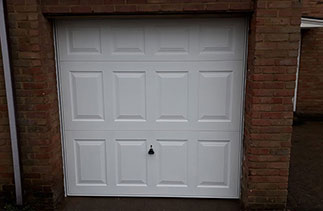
{"points": [[311, 23]]}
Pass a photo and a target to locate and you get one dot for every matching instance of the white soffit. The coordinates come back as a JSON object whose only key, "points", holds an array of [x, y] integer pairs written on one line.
{"points": [[311, 23]]}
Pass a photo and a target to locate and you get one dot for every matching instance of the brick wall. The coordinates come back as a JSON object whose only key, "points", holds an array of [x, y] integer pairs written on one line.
{"points": [[273, 44], [6, 175], [31, 45], [312, 8], [310, 86], [143, 6]]}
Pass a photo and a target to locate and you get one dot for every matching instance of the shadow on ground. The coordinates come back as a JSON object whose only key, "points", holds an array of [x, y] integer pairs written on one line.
{"points": [[147, 204]]}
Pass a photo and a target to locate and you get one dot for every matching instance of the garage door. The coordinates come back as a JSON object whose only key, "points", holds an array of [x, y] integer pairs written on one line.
{"points": [[152, 107]]}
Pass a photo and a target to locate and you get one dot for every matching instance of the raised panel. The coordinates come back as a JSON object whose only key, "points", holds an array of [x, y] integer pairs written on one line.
{"points": [[87, 96], [214, 102], [84, 40], [128, 40], [130, 95], [172, 95], [90, 161], [150, 40], [213, 163], [131, 162], [172, 40], [215, 39], [172, 163]]}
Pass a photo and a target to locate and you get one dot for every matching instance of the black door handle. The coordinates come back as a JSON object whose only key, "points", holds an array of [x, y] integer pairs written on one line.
{"points": [[151, 150]]}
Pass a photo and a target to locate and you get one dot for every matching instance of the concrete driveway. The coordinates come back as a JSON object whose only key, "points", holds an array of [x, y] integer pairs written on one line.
{"points": [[147, 204], [305, 189]]}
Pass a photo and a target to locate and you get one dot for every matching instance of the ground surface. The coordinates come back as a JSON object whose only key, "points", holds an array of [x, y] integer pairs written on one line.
{"points": [[148, 204], [306, 168]]}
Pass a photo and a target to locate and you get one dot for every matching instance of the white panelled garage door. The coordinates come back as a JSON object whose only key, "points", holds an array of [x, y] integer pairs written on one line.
{"points": [[171, 85]]}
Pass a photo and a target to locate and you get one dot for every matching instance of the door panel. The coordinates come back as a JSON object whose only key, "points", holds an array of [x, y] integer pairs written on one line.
{"points": [[131, 162], [129, 96], [90, 159], [220, 39], [152, 96], [173, 86], [173, 96], [87, 96], [191, 164], [172, 163], [215, 105]]}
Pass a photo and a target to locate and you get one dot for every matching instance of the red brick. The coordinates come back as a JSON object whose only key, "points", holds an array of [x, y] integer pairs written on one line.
{"points": [[102, 9], [136, 1], [157, 1], [111, 2], [69, 2], [171, 7], [148, 8], [268, 117], [240, 6], [193, 7], [279, 4], [217, 6], [126, 8], [267, 13], [81, 9]]}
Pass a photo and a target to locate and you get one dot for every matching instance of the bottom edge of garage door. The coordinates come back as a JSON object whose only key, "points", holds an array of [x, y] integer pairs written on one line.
{"points": [[155, 196]]}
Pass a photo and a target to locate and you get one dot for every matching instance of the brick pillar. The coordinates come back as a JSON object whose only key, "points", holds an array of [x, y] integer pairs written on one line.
{"points": [[273, 44], [32, 56]]}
